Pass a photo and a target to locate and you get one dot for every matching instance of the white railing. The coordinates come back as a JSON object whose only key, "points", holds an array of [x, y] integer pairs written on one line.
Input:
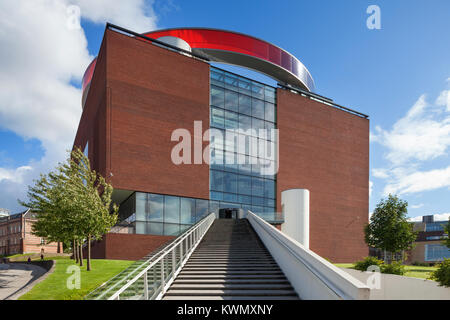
{"points": [[152, 282], [311, 276]]}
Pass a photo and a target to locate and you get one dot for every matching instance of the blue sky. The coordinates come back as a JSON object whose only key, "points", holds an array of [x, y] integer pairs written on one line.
{"points": [[382, 73]]}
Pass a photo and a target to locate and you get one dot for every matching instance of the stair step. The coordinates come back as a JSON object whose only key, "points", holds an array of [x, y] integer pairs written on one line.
{"points": [[229, 297], [230, 286], [229, 276], [226, 292], [230, 281]]}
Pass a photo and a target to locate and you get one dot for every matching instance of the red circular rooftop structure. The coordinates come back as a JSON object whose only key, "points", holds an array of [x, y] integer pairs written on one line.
{"points": [[237, 49]]}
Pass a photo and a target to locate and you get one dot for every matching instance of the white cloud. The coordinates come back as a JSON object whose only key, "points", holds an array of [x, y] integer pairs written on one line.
{"points": [[370, 188], [421, 136], [416, 206], [437, 217], [40, 58], [136, 15]]}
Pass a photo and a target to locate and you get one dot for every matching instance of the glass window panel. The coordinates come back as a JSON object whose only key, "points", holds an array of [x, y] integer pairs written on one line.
{"points": [[231, 141], [256, 167], [258, 210], [269, 94], [245, 86], [217, 77], [213, 206], [245, 123], [269, 112], [245, 185], [257, 187], [184, 227], [269, 126], [257, 201], [231, 162], [257, 124], [216, 178], [214, 195], [245, 167], [217, 96], [229, 183], [154, 228], [257, 90], [230, 197], [270, 203], [245, 104], [269, 189], [243, 144], [141, 227], [245, 199], [141, 206], [217, 118], [171, 229], [216, 138], [216, 160], [258, 108], [171, 209], [231, 100], [229, 205], [231, 82], [156, 204], [187, 210], [231, 120], [201, 207]]}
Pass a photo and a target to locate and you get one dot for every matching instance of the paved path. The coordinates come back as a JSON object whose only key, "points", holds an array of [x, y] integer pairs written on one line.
{"points": [[16, 276]]}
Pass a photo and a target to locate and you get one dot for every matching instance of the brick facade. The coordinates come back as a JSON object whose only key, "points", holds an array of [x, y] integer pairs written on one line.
{"points": [[16, 236], [326, 150], [120, 246]]}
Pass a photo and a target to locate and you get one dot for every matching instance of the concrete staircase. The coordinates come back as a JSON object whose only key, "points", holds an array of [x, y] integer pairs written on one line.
{"points": [[231, 263]]}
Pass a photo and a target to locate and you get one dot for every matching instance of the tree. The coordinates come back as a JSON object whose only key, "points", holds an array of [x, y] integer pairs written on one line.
{"points": [[389, 228], [447, 231], [72, 203]]}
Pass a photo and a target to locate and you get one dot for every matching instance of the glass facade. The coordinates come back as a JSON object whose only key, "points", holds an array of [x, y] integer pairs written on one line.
{"points": [[243, 115], [436, 252], [435, 226], [149, 213]]}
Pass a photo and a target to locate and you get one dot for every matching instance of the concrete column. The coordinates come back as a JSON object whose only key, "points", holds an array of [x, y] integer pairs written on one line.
{"points": [[295, 207]]}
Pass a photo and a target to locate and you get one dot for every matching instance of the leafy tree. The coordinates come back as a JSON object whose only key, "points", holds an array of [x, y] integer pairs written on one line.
{"points": [[72, 203], [447, 231], [389, 228]]}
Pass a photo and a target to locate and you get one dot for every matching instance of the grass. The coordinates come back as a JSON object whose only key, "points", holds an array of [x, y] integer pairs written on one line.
{"points": [[54, 287], [411, 271]]}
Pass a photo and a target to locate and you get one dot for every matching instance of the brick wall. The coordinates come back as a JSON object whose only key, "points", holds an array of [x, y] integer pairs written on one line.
{"points": [[119, 246], [326, 150]]}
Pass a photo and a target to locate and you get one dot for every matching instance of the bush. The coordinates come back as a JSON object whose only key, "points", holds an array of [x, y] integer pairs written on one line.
{"points": [[395, 267], [421, 264], [442, 274], [364, 264]]}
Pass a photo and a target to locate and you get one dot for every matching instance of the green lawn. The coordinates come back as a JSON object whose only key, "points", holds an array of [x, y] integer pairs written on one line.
{"points": [[411, 271], [54, 287]]}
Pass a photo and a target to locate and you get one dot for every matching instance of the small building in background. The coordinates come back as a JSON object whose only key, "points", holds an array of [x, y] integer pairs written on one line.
{"points": [[429, 247], [16, 236]]}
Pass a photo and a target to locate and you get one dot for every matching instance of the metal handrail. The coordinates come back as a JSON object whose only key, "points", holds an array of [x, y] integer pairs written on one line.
{"points": [[190, 240]]}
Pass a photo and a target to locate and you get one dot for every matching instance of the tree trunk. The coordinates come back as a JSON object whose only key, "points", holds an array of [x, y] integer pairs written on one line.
{"points": [[80, 247], [75, 251], [88, 263]]}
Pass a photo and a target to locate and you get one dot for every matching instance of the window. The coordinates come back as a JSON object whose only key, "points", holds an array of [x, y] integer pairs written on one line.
{"points": [[187, 211], [436, 252], [156, 206], [236, 178], [42, 241], [171, 209]]}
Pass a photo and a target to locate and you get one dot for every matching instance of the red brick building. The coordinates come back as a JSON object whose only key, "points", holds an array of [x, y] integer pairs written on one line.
{"points": [[138, 92], [16, 236]]}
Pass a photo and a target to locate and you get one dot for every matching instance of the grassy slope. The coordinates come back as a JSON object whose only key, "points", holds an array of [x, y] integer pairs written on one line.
{"points": [[54, 286], [411, 271]]}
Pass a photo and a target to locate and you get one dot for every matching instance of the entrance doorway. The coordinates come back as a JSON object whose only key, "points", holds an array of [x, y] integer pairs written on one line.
{"points": [[230, 213]]}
